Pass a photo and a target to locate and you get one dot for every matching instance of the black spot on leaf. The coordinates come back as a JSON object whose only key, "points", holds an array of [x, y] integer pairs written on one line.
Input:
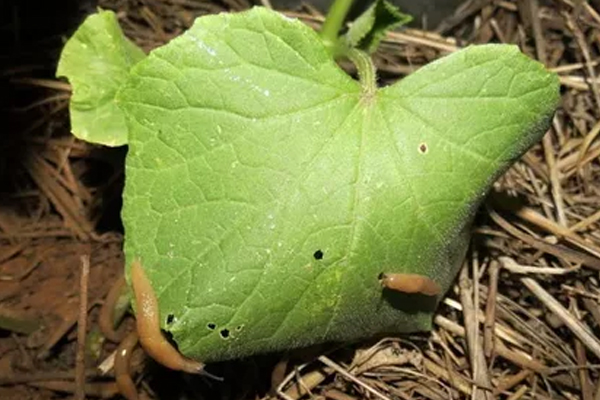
{"points": [[318, 255]]}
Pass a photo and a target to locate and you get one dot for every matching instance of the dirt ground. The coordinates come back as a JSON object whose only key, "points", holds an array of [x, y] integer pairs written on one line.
{"points": [[530, 279]]}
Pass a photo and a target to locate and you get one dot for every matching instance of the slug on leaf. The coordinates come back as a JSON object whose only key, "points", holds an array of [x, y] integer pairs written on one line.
{"points": [[148, 326], [410, 283]]}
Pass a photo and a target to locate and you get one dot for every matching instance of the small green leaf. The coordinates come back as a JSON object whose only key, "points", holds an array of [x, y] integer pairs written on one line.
{"points": [[266, 191], [370, 28], [96, 60]]}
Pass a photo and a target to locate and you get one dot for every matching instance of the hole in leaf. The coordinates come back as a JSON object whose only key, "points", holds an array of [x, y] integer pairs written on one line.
{"points": [[423, 148], [239, 327], [170, 319], [211, 326], [224, 333], [318, 255], [380, 276]]}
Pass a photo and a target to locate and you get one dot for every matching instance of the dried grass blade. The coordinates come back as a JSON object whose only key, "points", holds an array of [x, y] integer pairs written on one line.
{"points": [[578, 329]]}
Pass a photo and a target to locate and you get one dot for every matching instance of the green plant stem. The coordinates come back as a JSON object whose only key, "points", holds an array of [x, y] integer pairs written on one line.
{"points": [[366, 70], [334, 20]]}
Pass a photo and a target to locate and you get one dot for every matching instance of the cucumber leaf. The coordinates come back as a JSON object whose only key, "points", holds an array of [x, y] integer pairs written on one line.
{"points": [[367, 31], [96, 60], [265, 192]]}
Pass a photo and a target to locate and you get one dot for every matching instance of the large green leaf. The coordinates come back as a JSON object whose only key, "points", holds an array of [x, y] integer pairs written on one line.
{"points": [[265, 192], [97, 60]]}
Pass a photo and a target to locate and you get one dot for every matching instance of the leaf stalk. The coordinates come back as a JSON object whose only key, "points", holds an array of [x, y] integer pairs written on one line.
{"points": [[333, 22], [366, 70]]}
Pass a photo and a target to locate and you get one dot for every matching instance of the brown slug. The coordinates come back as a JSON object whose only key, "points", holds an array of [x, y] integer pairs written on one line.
{"points": [[410, 283], [148, 326]]}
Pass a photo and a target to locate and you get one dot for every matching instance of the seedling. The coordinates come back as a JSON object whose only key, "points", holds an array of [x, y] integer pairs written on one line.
{"points": [[267, 191]]}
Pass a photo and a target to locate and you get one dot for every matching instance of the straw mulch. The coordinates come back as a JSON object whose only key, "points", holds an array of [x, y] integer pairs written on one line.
{"points": [[520, 323]]}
